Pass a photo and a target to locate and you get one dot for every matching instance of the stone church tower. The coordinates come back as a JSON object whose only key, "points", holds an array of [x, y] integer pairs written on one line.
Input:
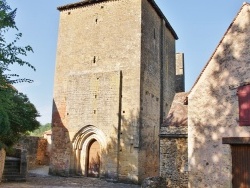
{"points": [[114, 82]]}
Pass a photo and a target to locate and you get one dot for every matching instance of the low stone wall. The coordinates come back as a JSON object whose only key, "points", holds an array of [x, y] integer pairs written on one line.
{"points": [[174, 161], [41, 157], [2, 159], [36, 150], [173, 144]]}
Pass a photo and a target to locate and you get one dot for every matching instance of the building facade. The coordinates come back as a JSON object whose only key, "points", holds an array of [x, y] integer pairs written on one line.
{"points": [[114, 82], [219, 112]]}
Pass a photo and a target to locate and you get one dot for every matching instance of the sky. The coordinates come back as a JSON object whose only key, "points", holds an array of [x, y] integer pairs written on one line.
{"points": [[200, 25]]}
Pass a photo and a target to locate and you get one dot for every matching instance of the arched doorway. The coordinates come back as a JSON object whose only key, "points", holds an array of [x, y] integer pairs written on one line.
{"points": [[93, 159], [88, 144]]}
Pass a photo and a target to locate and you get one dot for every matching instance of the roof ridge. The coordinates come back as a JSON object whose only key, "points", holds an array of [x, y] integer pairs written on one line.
{"points": [[229, 27]]}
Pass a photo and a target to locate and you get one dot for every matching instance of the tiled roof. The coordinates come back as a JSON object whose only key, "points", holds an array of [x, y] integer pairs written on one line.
{"points": [[178, 112]]}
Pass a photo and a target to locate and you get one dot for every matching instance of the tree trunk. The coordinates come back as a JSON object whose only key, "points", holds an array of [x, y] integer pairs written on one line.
{"points": [[2, 161]]}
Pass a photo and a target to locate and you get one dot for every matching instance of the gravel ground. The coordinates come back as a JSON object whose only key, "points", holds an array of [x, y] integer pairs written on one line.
{"points": [[39, 178]]}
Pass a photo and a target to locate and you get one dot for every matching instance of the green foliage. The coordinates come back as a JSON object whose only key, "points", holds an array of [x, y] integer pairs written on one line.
{"points": [[10, 52], [17, 114], [40, 131]]}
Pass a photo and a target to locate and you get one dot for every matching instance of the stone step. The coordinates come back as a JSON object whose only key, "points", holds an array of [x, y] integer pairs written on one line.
{"points": [[15, 167], [13, 178], [11, 172]]}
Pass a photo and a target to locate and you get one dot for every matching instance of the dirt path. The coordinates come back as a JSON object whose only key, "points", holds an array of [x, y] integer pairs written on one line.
{"points": [[39, 178], [56, 182]]}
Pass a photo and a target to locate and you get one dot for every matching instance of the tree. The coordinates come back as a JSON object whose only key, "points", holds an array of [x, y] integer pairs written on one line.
{"points": [[10, 52], [17, 113], [19, 117], [40, 131]]}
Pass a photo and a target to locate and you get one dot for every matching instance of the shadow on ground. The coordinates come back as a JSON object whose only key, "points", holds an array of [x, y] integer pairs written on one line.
{"points": [[39, 177]]}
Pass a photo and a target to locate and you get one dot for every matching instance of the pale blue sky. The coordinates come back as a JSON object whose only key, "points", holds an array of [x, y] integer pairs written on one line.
{"points": [[199, 25]]}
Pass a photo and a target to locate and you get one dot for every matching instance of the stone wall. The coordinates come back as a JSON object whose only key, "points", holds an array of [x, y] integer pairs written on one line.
{"points": [[173, 144], [157, 86], [98, 45], [36, 148], [213, 107], [2, 159], [42, 157], [110, 86], [174, 156], [180, 73]]}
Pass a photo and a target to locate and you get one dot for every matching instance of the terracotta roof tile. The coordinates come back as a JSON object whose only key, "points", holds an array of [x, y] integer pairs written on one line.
{"points": [[177, 115]]}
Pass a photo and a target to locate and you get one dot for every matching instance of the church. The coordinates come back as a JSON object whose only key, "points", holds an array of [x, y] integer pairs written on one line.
{"points": [[115, 80], [120, 111]]}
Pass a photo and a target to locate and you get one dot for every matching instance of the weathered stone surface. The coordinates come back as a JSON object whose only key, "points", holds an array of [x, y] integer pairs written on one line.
{"points": [[173, 143], [157, 87], [213, 107], [2, 159], [174, 161], [114, 83], [41, 156], [180, 73], [36, 150], [154, 182]]}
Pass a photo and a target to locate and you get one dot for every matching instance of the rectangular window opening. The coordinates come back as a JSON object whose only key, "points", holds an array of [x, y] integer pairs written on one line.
{"points": [[244, 105]]}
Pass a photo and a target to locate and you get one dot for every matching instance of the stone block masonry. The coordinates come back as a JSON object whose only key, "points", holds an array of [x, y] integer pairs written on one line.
{"points": [[111, 78], [180, 73], [36, 150]]}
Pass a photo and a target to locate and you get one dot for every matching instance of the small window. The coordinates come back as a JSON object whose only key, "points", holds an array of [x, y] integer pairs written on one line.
{"points": [[244, 105]]}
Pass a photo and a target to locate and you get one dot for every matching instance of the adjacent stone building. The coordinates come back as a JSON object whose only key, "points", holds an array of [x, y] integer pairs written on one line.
{"points": [[173, 143], [173, 134], [114, 82], [219, 112]]}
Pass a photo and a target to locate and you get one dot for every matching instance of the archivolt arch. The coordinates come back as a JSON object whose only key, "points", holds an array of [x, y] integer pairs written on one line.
{"points": [[87, 133], [81, 142]]}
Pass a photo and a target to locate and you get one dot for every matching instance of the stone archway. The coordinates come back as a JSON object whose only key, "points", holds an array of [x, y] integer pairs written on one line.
{"points": [[88, 144]]}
